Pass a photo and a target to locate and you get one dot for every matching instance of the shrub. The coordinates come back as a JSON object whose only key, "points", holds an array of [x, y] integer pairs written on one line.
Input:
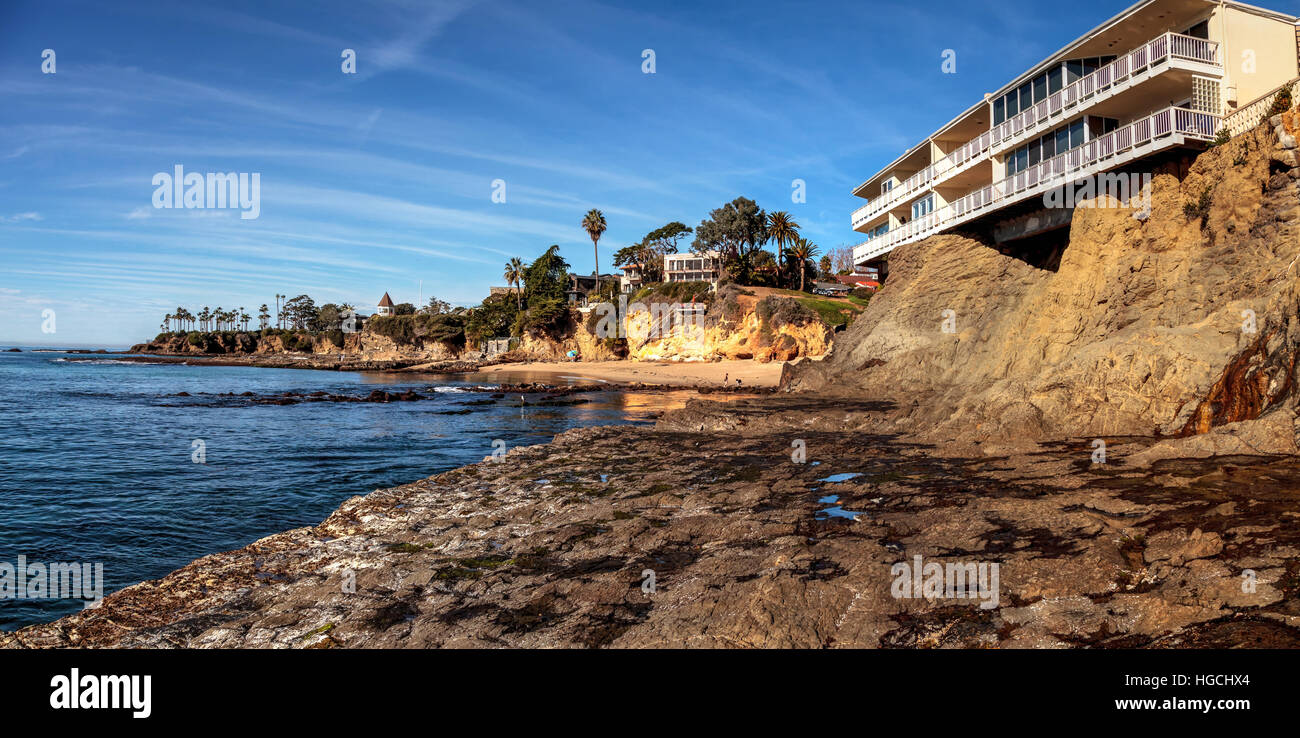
{"points": [[335, 337], [1201, 208], [1281, 103], [445, 328], [397, 327], [775, 312], [674, 292]]}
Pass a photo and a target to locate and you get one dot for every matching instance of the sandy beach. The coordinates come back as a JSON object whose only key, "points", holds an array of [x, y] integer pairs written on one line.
{"points": [[677, 374]]}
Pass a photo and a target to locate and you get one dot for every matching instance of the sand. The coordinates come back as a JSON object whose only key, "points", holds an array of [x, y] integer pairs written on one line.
{"points": [[677, 374]]}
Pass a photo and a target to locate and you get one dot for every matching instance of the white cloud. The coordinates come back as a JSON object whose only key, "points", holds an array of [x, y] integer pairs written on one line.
{"points": [[20, 217]]}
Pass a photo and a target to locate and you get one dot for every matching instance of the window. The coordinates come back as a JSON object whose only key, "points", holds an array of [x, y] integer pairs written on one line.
{"points": [[1054, 81], [879, 230], [1013, 105], [1026, 97], [923, 207], [1073, 71], [886, 186], [999, 110], [1048, 144], [1076, 133], [1040, 88]]}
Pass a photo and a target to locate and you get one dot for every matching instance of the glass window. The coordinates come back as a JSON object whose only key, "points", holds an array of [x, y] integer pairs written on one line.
{"points": [[1034, 153], [1048, 144], [1062, 140], [1054, 81], [1013, 104], [922, 207], [1040, 88], [886, 186], [1076, 133], [1073, 71], [1022, 159], [1026, 96], [999, 111]]}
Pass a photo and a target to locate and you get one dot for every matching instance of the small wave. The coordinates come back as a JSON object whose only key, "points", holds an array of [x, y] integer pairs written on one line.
{"points": [[113, 362]]}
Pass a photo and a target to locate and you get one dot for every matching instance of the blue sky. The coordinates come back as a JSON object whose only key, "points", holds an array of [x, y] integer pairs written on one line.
{"points": [[375, 181]]}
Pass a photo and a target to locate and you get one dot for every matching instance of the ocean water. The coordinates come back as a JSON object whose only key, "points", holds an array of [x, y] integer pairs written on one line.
{"points": [[97, 458]]}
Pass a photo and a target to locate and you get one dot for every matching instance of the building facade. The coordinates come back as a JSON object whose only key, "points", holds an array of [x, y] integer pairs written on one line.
{"points": [[706, 267], [1157, 79], [631, 279]]}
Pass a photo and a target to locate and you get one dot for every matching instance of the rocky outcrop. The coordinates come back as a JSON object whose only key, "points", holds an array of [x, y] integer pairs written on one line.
{"points": [[1174, 321], [737, 325]]}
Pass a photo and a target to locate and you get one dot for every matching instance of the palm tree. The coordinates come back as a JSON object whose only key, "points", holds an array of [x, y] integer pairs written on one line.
{"points": [[244, 317], [803, 251], [594, 224], [514, 276], [279, 319], [782, 229], [263, 317], [204, 314], [167, 320]]}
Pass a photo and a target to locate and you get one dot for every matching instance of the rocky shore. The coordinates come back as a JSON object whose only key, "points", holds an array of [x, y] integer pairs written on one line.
{"points": [[553, 545]]}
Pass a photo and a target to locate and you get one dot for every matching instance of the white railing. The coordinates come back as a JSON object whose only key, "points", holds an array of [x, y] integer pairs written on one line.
{"points": [[1249, 115], [1092, 88], [1112, 149]]}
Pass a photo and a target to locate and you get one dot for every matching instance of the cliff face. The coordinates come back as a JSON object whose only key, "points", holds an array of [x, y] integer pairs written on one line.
{"points": [[736, 326], [1177, 322]]}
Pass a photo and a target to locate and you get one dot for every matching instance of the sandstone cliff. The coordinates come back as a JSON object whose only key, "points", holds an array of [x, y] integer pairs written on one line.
{"points": [[1146, 327]]}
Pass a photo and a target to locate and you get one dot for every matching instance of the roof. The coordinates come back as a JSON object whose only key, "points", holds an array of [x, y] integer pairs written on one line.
{"points": [[854, 278], [385, 301]]}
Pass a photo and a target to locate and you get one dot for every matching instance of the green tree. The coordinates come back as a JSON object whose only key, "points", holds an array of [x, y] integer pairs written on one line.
{"points": [[327, 318], [493, 319], [545, 283], [514, 276], [649, 253], [594, 224], [783, 231], [436, 307], [736, 230], [299, 312], [803, 252], [263, 317], [403, 308]]}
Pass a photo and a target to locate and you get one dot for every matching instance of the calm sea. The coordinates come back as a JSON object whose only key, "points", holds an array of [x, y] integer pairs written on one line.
{"points": [[97, 461]]}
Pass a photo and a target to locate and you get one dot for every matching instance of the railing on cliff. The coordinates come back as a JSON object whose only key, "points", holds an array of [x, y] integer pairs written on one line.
{"points": [[1249, 115]]}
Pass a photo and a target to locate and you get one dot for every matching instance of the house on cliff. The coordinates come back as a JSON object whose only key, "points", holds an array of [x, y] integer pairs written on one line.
{"points": [[1147, 87], [385, 305]]}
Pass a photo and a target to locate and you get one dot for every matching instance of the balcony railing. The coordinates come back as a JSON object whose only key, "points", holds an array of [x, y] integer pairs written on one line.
{"points": [[1092, 156], [1092, 88]]}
